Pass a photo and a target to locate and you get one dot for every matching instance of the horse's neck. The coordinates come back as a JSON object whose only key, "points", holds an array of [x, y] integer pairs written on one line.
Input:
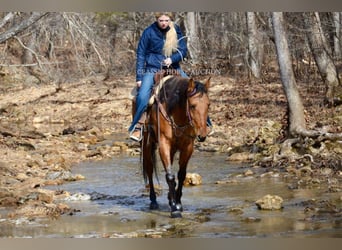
{"points": [[160, 84], [180, 114]]}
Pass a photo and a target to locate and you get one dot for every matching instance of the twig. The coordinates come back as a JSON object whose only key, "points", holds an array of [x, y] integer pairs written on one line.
{"points": [[25, 47], [31, 64], [73, 23]]}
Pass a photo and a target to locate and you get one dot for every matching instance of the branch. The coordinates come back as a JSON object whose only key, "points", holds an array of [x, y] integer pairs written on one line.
{"points": [[74, 24], [21, 26], [6, 19], [33, 64], [25, 47]]}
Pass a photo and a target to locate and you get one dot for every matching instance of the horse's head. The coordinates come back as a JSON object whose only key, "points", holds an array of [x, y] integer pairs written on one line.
{"points": [[198, 105]]}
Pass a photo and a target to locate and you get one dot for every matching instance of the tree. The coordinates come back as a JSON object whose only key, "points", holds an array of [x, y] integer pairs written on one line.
{"points": [[21, 26], [295, 105], [337, 35], [255, 45], [296, 120], [322, 54], [194, 46]]}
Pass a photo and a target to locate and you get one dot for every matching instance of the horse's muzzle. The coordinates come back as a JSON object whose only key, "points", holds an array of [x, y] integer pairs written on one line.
{"points": [[201, 138]]}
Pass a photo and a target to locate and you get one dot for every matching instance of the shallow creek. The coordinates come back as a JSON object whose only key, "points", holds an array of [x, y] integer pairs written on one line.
{"points": [[112, 202]]}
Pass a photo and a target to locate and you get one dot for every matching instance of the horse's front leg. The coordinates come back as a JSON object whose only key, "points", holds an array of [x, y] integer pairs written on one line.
{"points": [[166, 155], [170, 179], [184, 158]]}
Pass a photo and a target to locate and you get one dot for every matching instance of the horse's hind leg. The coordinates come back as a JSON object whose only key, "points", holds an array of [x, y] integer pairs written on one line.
{"points": [[148, 165], [153, 198]]}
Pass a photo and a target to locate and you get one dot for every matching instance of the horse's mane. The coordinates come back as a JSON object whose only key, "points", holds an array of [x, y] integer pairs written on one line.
{"points": [[175, 92]]}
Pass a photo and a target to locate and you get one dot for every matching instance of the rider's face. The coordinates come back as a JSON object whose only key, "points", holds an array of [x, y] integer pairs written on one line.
{"points": [[163, 21]]}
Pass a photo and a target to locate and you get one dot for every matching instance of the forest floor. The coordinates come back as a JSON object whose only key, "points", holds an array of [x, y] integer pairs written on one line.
{"points": [[45, 129]]}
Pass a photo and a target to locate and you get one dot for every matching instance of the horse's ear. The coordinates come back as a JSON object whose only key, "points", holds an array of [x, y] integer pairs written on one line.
{"points": [[191, 85], [207, 83]]}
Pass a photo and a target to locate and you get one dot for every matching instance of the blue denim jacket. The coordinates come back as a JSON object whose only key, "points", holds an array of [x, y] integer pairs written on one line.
{"points": [[150, 50]]}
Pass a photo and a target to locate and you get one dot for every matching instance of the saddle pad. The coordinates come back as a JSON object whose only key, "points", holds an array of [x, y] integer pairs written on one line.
{"points": [[134, 91], [157, 88]]}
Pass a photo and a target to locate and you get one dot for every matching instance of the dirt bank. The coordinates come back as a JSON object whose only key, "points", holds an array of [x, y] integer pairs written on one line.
{"points": [[45, 129]]}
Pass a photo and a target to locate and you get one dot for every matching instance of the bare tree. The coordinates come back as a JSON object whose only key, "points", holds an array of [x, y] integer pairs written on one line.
{"points": [[255, 45], [297, 126], [295, 105], [337, 35], [322, 54], [21, 26], [194, 45]]}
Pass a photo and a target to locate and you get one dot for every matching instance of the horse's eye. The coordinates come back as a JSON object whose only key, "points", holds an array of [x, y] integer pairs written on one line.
{"points": [[192, 107]]}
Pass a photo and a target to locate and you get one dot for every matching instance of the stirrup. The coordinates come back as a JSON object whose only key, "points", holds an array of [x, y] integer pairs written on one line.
{"points": [[211, 130], [137, 138]]}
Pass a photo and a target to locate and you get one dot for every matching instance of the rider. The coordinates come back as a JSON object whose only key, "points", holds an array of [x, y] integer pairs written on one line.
{"points": [[162, 45]]}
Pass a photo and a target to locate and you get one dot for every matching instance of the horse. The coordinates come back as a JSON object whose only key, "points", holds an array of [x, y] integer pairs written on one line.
{"points": [[174, 121]]}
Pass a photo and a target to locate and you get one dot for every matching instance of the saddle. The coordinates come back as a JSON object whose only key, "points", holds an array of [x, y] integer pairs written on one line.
{"points": [[159, 78]]}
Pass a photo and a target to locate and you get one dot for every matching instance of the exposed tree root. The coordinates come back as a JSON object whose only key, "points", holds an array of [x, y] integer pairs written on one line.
{"points": [[308, 146]]}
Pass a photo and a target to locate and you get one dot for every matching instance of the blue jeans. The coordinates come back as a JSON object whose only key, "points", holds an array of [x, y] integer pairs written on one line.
{"points": [[144, 94]]}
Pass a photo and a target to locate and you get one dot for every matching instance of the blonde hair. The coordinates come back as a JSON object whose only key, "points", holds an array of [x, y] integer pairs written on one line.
{"points": [[159, 14], [171, 41]]}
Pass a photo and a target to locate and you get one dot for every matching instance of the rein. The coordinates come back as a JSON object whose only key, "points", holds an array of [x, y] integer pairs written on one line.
{"points": [[170, 119], [191, 94]]}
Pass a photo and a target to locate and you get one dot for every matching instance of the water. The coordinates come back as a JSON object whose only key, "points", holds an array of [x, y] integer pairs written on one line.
{"points": [[119, 207]]}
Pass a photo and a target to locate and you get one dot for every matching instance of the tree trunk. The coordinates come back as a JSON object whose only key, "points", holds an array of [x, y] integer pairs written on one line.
{"points": [[295, 106], [337, 36], [320, 50], [255, 46], [27, 57], [194, 46], [225, 31]]}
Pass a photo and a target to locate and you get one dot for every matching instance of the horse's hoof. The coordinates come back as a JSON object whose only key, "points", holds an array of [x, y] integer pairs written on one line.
{"points": [[176, 214], [179, 207], [154, 206]]}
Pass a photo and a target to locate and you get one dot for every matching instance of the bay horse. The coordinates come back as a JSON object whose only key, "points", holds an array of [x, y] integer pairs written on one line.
{"points": [[174, 121]]}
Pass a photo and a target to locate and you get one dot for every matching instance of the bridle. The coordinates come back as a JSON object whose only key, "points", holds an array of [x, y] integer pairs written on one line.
{"points": [[176, 128]]}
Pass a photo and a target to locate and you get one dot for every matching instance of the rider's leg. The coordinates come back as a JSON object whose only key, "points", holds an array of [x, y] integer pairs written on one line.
{"points": [[142, 98]]}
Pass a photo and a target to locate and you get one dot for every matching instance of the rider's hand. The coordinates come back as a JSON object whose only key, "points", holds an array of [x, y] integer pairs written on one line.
{"points": [[138, 84], [167, 62]]}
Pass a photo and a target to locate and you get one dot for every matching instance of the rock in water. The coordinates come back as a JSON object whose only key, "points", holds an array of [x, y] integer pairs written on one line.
{"points": [[270, 202]]}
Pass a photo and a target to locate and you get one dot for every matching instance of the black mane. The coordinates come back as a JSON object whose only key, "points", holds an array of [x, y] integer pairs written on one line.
{"points": [[175, 92]]}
